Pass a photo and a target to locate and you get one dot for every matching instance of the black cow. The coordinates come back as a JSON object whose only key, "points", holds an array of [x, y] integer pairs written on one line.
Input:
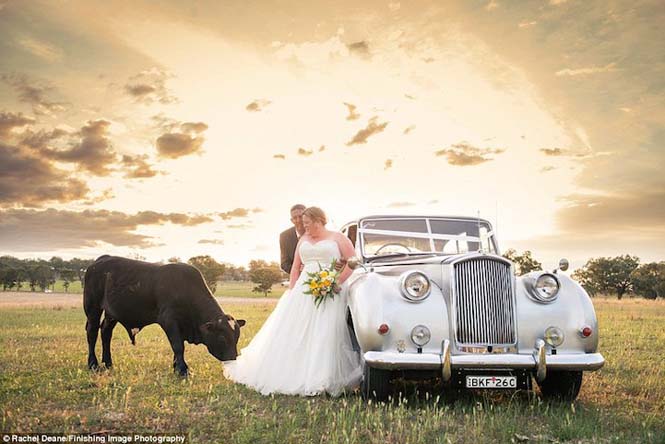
{"points": [[137, 294]]}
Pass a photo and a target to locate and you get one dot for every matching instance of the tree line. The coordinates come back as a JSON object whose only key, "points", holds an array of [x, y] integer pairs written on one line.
{"points": [[17, 274], [619, 275]]}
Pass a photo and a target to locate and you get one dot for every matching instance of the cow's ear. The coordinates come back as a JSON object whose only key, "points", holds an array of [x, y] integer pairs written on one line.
{"points": [[241, 322]]}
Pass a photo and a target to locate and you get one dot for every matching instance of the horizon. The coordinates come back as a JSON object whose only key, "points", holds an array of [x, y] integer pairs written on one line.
{"points": [[171, 129]]}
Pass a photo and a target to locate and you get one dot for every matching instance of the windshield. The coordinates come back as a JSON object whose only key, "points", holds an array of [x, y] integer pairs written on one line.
{"points": [[381, 237]]}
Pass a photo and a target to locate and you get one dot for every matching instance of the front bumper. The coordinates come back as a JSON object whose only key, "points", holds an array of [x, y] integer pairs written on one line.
{"points": [[434, 361], [445, 362]]}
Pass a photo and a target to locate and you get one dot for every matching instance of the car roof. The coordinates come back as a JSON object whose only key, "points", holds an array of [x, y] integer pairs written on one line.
{"points": [[416, 216]]}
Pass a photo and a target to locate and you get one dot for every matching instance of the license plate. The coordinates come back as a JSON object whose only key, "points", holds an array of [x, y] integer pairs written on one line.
{"points": [[483, 382]]}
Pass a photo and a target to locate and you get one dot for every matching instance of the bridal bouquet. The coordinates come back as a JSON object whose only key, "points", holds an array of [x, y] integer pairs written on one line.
{"points": [[321, 284]]}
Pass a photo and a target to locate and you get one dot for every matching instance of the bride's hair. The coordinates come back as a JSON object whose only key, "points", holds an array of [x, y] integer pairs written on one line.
{"points": [[316, 213]]}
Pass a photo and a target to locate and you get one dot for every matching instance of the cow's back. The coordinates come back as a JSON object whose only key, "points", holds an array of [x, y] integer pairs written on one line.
{"points": [[123, 288]]}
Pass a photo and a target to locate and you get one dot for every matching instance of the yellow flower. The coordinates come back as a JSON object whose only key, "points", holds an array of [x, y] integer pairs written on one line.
{"points": [[312, 285], [326, 283], [324, 274]]}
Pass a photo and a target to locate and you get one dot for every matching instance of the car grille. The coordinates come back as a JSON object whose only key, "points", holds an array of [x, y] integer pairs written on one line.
{"points": [[484, 302]]}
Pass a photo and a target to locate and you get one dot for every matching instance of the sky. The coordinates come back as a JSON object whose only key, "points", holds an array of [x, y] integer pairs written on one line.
{"points": [[174, 129]]}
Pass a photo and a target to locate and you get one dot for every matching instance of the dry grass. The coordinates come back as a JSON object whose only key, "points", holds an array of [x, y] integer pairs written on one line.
{"points": [[45, 386]]}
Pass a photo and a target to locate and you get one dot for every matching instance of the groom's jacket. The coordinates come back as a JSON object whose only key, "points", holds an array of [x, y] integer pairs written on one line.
{"points": [[288, 241]]}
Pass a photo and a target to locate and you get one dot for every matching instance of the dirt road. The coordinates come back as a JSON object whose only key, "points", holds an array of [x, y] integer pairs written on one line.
{"points": [[37, 299]]}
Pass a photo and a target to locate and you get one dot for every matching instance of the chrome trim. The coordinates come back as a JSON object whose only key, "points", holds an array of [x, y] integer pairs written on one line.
{"points": [[490, 322], [541, 363], [446, 366], [530, 284], [434, 361]]}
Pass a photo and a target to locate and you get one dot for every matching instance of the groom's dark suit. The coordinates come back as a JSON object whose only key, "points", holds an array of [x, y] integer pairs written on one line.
{"points": [[288, 241]]}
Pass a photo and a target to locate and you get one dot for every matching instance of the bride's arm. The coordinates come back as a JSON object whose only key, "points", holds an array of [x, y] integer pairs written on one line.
{"points": [[295, 268], [347, 250]]}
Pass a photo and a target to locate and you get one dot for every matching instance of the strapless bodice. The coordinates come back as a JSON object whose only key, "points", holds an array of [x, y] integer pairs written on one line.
{"points": [[321, 252]]}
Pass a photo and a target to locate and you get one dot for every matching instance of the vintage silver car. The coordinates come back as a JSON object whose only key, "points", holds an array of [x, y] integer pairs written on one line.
{"points": [[431, 297]]}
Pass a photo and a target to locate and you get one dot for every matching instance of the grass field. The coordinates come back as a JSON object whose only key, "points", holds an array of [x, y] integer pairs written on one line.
{"points": [[45, 386], [224, 289]]}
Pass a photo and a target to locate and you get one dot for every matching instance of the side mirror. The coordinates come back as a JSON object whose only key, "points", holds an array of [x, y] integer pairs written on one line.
{"points": [[353, 262], [564, 264]]}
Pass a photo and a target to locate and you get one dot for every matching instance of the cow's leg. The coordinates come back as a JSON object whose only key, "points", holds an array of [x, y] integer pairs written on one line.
{"points": [[178, 346], [107, 331], [92, 328]]}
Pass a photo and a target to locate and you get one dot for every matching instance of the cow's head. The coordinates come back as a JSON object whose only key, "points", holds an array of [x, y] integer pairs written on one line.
{"points": [[221, 337]]}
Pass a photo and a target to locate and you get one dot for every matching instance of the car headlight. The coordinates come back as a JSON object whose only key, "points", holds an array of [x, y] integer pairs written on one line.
{"points": [[546, 287], [420, 335], [554, 336], [415, 286]]}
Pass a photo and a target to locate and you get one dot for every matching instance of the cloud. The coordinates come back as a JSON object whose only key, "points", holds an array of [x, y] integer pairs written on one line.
{"points": [[137, 167], [463, 154], [41, 49], [408, 129], [353, 115], [547, 168], [371, 129], [394, 6], [527, 24], [94, 153], [38, 140], [237, 212], [52, 229], [322, 148], [553, 151], [388, 164], [279, 156], [34, 93], [149, 87], [400, 204], [193, 127], [28, 180], [632, 215], [586, 71], [211, 241], [491, 6], [10, 121], [240, 226], [304, 152], [175, 145], [258, 105], [360, 48]]}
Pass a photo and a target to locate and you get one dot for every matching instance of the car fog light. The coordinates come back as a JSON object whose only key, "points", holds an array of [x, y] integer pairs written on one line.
{"points": [[586, 331], [384, 329], [420, 335], [554, 336]]}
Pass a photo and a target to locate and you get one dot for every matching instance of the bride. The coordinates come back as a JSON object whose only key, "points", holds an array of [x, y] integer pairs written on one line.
{"points": [[303, 349]]}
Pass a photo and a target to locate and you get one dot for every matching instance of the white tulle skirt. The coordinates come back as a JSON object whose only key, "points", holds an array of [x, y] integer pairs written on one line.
{"points": [[301, 349]]}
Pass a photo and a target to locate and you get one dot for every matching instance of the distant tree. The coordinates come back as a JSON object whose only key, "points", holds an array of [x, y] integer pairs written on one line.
{"points": [[67, 276], [209, 268], [265, 276], [79, 266], [608, 275], [173, 260], [257, 263], [233, 273], [524, 263], [649, 280]]}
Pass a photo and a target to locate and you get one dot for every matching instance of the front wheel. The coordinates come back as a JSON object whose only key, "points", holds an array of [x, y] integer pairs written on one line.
{"points": [[376, 383], [561, 385]]}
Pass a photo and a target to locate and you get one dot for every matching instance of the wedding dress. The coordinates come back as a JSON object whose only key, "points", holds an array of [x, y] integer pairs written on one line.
{"points": [[302, 349]]}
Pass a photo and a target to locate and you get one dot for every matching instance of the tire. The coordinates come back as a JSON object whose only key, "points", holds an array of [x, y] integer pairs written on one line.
{"points": [[561, 385], [376, 384]]}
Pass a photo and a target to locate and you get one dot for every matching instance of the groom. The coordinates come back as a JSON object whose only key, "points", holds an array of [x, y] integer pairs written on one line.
{"points": [[288, 240]]}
